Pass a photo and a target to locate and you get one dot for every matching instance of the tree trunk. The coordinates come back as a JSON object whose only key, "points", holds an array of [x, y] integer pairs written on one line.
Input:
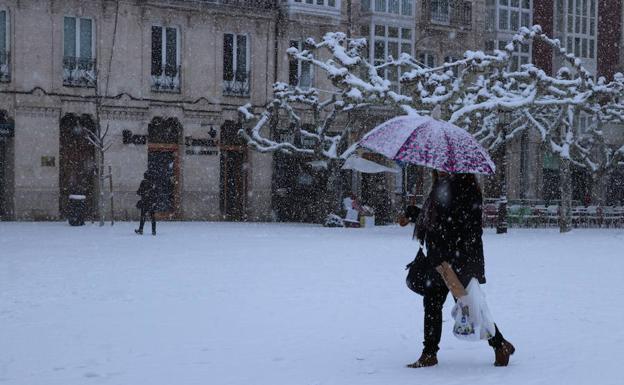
{"points": [[501, 223], [333, 193], [565, 188], [598, 188], [100, 193]]}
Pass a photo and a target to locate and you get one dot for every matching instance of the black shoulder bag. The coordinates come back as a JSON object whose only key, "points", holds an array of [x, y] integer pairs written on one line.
{"points": [[421, 275]]}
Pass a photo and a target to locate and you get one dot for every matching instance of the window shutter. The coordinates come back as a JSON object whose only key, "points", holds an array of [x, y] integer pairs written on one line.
{"points": [[3, 34], [241, 58], [293, 67], [228, 57], [157, 51], [86, 38], [69, 37], [171, 55]]}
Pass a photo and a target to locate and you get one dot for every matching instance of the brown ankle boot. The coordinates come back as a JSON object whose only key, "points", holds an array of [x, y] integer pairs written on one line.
{"points": [[503, 353], [425, 360]]}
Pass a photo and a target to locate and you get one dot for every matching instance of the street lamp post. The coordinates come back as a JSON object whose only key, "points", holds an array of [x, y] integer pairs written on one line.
{"points": [[504, 118]]}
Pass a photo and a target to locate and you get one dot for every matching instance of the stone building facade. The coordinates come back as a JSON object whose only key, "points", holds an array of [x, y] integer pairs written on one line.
{"points": [[164, 78]]}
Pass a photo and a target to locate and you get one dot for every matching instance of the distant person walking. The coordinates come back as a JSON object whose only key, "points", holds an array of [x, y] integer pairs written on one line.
{"points": [[450, 225], [147, 202]]}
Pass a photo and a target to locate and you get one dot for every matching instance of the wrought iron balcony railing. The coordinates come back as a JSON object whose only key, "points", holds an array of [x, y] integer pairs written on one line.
{"points": [[166, 79], [253, 4], [451, 13], [238, 86], [5, 66], [79, 72]]}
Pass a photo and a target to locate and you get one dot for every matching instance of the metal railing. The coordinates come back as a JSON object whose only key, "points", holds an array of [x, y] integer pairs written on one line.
{"points": [[167, 79], [451, 13], [5, 66], [253, 4], [238, 86], [79, 72]]}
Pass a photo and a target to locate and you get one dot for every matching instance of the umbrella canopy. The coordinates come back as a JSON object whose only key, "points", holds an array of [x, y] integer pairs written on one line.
{"points": [[428, 142]]}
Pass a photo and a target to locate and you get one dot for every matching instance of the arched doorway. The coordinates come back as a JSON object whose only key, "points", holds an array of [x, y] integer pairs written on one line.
{"points": [[164, 137], [233, 200], [7, 130], [76, 161]]}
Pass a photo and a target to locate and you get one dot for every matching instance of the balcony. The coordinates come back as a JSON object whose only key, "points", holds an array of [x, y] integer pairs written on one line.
{"points": [[5, 66], [238, 86], [167, 79], [79, 72], [450, 14], [251, 4], [329, 10]]}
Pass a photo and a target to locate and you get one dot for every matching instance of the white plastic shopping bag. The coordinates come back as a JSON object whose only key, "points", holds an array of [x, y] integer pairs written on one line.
{"points": [[473, 321]]}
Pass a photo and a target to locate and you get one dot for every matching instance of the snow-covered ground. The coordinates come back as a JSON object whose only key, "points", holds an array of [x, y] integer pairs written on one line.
{"points": [[277, 304]]}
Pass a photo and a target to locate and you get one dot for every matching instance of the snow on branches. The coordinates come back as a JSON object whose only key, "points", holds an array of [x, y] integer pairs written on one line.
{"points": [[472, 93]]}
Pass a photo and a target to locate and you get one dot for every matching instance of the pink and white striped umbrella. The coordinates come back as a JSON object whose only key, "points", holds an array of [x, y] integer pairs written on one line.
{"points": [[428, 142]]}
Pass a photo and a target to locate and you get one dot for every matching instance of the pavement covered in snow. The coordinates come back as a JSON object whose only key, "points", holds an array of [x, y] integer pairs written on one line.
{"points": [[280, 304]]}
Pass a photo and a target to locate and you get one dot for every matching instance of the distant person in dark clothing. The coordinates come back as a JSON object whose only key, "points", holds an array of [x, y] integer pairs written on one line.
{"points": [[147, 203]]}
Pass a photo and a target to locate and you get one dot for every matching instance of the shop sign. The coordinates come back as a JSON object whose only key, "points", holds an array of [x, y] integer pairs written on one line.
{"points": [[197, 146]]}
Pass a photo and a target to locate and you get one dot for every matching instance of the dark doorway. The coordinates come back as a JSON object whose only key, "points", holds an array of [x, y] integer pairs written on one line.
{"points": [[162, 163], [551, 191], [3, 178], [233, 173], [375, 194], [7, 132], [76, 162]]}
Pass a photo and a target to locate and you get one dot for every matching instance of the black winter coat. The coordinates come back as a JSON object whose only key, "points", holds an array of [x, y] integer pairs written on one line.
{"points": [[454, 229], [147, 192]]}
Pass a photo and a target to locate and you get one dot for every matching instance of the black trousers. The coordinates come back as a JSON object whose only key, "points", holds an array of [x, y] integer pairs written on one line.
{"points": [[144, 213], [433, 302]]}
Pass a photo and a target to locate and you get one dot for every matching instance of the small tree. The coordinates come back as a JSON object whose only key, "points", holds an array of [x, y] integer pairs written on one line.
{"points": [[98, 136]]}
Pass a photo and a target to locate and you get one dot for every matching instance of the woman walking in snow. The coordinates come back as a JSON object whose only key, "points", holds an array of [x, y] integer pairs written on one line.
{"points": [[450, 226], [147, 203]]}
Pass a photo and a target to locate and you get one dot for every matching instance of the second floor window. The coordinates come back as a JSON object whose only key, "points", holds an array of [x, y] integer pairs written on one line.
{"points": [[235, 65], [78, 53], [299, 73], [320, 3], [4, 47], [397, 7], [427, 59], [440, 11], [391, 41], [165, 59]]}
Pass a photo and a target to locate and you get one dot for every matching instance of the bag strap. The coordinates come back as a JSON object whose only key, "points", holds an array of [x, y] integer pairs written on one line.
{"points": [[411, 263]]}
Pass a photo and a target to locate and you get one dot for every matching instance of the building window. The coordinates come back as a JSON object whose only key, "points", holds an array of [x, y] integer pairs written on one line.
{"points": [[299, 73], [427, 59], [520, 56], [512, 14], [577, 20], [391, 41], [165, 59], [406, 7], [318, 3], [490, 20], [236, 74], [452, 59], [397, 7], [440, 11], [5, 57], [78, 52]]}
